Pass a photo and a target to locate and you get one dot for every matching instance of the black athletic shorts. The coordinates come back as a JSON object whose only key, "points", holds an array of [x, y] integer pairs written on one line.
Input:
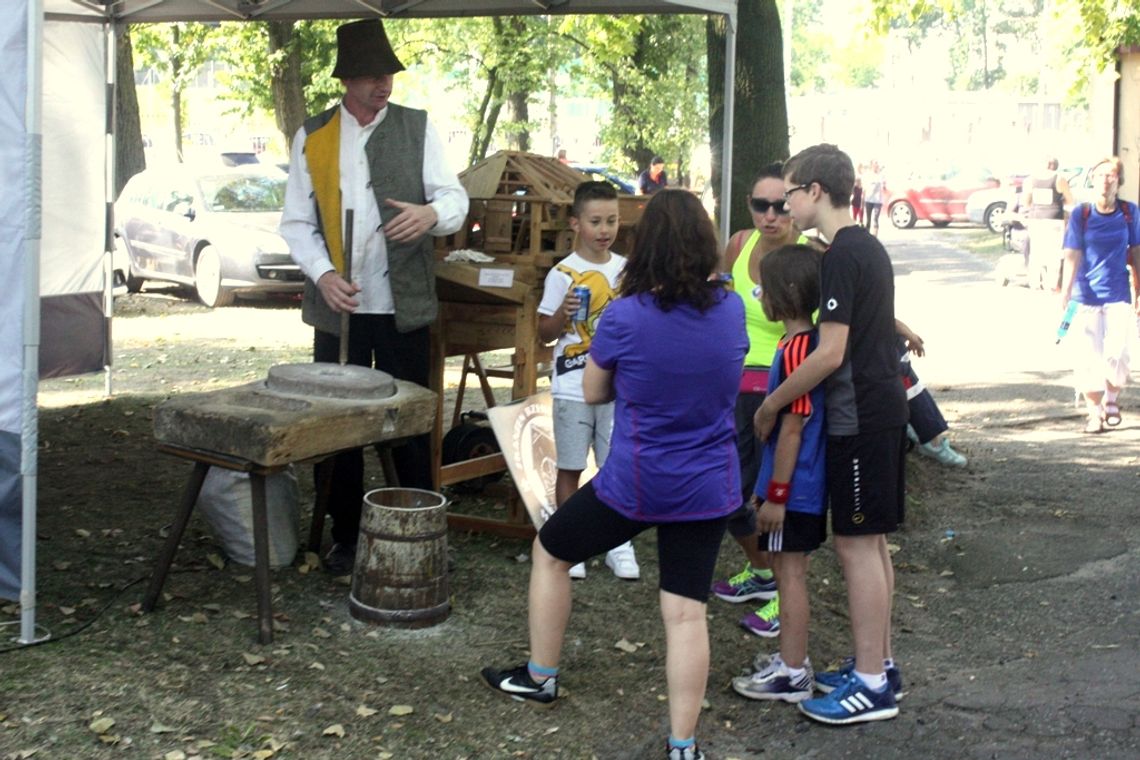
{"points": [[802, 532], [866, 482], [585, 527]]}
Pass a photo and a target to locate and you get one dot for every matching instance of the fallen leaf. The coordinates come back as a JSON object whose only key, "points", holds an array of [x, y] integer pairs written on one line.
{"points": [[399, 710], [82, 532], [158, 728], [67, 611], [335, 729], [241, 614], [892, 548], [176, 754], [61, 565], [263, 754], [447, 718], [316, 666], [101, 725], [216, 560], [321, 633], [626, 646], [252, 659], [243, 578], [365, 712]]}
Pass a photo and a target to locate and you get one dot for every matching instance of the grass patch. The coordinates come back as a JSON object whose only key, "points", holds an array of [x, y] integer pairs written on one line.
{"points": [[983, 243]]}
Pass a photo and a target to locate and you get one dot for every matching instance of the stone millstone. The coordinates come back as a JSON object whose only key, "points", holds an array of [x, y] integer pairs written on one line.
{"points": [[327, 380]]}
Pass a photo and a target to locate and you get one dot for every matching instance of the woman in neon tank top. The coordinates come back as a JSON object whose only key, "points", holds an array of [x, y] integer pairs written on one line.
{"points": [[772, 228]]}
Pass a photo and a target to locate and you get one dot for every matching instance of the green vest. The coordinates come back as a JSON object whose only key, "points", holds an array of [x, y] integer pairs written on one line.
{"points": [[395, 153]]}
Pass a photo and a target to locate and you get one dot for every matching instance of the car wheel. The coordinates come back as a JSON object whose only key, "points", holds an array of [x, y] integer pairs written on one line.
{"points": [[902, 215], [208, 279], [993, 216], [941, 223]]}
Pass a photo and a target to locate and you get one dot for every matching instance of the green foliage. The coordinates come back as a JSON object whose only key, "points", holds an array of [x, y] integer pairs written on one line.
{"points": [[653, 70], [245, 47]]}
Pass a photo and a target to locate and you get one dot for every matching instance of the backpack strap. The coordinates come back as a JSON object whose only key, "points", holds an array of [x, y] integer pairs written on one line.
{"points": [[1125, 209]]}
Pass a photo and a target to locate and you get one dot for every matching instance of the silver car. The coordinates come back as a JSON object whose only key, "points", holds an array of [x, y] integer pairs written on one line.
{"points": [[212, 229]]}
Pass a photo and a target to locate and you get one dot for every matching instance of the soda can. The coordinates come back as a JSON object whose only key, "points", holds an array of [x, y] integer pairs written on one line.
{"points": [[583, 313]]}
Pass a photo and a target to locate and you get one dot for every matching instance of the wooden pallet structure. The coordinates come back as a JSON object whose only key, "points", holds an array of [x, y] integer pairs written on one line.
{"points": [[520, 216]]}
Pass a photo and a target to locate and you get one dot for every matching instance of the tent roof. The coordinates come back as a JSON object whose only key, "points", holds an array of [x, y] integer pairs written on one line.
{"points": [[151, 11]]}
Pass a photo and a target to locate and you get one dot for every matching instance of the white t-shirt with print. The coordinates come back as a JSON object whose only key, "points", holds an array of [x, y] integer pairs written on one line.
{"points": [[574, 344]]}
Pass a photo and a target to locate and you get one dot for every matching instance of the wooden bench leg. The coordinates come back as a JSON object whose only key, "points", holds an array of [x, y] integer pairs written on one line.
{"points": [[181, 519], [261, 558], [388, 466], [323, 474]]}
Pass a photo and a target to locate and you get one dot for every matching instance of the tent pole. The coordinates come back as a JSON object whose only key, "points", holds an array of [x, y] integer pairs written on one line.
{"points": [[109, 166], [726, 140], [29, 436]]}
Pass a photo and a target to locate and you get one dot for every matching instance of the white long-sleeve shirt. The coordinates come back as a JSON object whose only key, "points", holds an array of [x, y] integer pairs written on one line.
{"points": [[369, 248]]}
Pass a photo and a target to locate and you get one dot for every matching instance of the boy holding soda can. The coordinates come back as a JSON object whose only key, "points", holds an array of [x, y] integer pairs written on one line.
{"points": [[576, 292]]}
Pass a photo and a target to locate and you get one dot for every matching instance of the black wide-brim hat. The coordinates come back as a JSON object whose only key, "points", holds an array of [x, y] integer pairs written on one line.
{"points": [[363, 50]]}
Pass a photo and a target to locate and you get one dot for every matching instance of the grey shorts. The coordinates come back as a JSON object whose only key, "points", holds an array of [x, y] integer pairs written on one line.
{"points": [[577, 427]]}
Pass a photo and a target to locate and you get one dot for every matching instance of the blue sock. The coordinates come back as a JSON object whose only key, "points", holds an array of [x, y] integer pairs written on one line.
{"points": [[538, 672], [675, 743]]}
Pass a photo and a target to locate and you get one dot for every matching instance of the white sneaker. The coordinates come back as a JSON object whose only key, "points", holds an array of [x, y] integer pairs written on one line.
{"points": [[578, 572], [623, 562]]}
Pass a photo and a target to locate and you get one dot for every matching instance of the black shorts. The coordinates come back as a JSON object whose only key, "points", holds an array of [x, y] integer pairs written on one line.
{"points": [[749, 449], [866, 482], [802, 532], [585, 527]]}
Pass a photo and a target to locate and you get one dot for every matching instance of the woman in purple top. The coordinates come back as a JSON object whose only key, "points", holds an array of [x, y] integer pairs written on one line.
{"points": [[669, 351]]}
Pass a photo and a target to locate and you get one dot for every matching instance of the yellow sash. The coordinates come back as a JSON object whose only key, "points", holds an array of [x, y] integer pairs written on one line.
{"points": [[322, 153]]}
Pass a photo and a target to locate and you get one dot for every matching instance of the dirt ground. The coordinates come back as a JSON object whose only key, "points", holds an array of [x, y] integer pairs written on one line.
{"points": [[1015, 609]]}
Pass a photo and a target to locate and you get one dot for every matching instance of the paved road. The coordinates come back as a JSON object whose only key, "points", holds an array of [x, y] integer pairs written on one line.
{"points": [[1018, 636]]}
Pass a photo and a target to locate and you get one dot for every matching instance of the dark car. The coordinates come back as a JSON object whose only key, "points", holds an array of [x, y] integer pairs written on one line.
{"points": [[605, 174], [214, 230], [939, 198]]}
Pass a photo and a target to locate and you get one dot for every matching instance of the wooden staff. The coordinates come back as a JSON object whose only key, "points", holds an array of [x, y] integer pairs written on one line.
{"points": [[344, 315]]}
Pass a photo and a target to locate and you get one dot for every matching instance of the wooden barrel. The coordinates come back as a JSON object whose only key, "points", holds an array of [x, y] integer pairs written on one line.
{"points": [[400, 578]]}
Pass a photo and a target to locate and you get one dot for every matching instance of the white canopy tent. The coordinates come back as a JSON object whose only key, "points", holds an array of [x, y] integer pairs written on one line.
{"points": [[56, 159]]}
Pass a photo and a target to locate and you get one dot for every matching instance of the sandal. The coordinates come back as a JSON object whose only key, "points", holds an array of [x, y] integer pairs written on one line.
{"points": [[1111, 414]]}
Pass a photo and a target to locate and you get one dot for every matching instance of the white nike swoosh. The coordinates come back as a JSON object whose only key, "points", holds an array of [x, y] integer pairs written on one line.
{"points": [[506, 685]]}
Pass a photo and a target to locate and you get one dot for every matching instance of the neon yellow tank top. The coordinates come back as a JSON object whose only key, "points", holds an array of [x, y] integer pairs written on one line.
{"points": [[763, 335]]}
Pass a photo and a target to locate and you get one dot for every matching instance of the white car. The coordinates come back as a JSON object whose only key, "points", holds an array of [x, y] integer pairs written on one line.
{"points": [[214, 230], [988, 207]]}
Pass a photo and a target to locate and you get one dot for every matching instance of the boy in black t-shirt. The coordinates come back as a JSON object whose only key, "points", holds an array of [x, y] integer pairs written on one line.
{"points": [[866, 425]]}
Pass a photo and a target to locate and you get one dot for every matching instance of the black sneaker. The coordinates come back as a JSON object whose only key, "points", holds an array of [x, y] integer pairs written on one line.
{"points": [[518, 685], [688, 753], [341, 559]]}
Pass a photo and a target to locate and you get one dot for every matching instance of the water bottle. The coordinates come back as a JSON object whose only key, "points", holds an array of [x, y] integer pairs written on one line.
{"points": [[1066, 320]]}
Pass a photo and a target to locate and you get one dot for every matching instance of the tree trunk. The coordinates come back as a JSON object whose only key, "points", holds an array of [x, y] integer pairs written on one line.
{"points": [[520, 115], [488, 117], [130, 159], [176, 93], [285, 81], [760, 121]]}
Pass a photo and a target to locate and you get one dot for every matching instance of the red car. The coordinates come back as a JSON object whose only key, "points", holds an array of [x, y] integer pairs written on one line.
{"points": [[940, 199]]}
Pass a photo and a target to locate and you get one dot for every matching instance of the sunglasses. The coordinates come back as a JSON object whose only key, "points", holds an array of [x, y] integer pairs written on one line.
{"points": [[761, 206]]}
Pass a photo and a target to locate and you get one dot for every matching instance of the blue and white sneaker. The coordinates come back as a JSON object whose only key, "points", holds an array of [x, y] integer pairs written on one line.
{"points": [[829, 680], [518, 685], [852, 702]]}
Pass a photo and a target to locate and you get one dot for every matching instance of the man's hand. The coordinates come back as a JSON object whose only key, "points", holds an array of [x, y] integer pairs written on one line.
{"points": [[412, 223], [770, 517], [338, 292], [764, 420]]}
